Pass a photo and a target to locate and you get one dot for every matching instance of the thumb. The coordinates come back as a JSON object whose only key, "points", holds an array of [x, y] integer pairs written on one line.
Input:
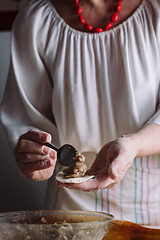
{"points": [[115, 168]]}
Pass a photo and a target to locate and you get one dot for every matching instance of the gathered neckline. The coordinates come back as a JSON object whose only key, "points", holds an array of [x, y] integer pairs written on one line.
{"points": [[114, 29]]}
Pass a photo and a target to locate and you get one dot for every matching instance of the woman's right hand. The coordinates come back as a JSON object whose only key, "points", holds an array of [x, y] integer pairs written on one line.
{"points": [[35, 160]]}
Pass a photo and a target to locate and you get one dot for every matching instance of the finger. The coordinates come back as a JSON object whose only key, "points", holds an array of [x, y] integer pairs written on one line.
{"points": [[111, 185], [90, 185], [29, 146], [41, 175], [37, 136], [33, 157], [29, 168], [85, 186], [118, 167], [113, 170]]}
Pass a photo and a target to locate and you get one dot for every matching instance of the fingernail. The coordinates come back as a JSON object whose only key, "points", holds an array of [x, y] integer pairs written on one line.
{"points": [[45, 150], [52, 154], [49, 163], [43, 138]]}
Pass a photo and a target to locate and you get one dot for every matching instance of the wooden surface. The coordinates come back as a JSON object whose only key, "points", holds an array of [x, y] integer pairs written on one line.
{"points": [[124, 230]]}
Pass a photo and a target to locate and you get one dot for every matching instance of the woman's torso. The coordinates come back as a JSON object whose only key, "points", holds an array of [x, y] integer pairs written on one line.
{"points": [[105, 85]]}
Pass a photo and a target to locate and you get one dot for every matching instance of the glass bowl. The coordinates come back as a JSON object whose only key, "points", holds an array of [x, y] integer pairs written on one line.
{"points": [[57, 225]]}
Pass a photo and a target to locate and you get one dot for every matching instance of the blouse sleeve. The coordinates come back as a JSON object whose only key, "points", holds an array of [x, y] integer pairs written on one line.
{"points": [[155, 6], [155, 119], [27, 101]]}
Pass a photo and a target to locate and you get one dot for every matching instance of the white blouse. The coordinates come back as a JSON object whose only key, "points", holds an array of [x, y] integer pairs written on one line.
{"points": [[87, 89]]}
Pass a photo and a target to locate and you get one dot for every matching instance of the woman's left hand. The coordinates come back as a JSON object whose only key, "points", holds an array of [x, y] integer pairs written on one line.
{"points": [[110, 165]]}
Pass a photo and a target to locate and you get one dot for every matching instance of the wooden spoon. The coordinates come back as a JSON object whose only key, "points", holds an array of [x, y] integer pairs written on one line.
{"points": [[125, 230]]}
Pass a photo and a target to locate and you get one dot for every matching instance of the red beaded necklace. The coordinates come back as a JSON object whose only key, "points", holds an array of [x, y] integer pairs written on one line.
{"points": [[114, 18]]}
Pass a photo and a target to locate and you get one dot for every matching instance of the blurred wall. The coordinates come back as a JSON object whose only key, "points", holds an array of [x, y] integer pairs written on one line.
{"points": [[16, 192]]}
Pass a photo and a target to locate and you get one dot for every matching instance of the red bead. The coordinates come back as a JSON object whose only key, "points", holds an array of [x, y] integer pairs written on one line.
{"points": [[82, 19], [89, 27], [108, 26], [119, 7], [76, 2], [98, 30], [114, 17], [78, 10]]}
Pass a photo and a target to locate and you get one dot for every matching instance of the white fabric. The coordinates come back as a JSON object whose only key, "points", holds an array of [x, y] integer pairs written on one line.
{"points": [[85, 89]]}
